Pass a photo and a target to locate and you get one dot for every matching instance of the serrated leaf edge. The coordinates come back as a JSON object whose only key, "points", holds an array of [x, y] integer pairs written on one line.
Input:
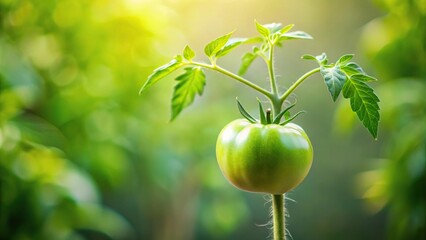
{"points": [[216, 45], [177, 110], [373, 129], [153, 78]]}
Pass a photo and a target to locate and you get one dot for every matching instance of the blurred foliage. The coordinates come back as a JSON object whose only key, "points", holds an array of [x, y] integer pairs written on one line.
{"points": [[64, 66], [396, 45]]}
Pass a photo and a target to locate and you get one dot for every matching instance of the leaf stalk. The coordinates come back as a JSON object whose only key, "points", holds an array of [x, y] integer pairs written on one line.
{"points": [[234, 76], [297, 83]]}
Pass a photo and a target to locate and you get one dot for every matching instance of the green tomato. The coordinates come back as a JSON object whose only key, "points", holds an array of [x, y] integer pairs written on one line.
{"points": [[264, 158]]}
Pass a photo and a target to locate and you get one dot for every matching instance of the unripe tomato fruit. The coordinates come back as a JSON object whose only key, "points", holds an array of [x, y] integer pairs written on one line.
{"points": [[264, 158]]}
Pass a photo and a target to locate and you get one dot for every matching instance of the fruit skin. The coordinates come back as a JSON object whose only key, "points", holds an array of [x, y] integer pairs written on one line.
{"points": [[264, 158]]}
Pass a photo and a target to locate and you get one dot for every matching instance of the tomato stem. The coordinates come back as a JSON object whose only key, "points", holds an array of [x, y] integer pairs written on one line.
{"points": [[271, 70], [276, 103], [278, 215], [268, 116]]}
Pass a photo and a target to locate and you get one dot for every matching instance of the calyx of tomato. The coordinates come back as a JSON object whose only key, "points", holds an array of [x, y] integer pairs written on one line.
{"points": [[266, 117]]}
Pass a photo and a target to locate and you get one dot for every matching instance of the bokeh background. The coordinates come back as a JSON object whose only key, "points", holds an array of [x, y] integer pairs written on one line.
{"points": [[83, 156]]}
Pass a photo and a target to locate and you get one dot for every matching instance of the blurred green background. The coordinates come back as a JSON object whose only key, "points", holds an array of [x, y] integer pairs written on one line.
{"points": [[82, 156]]}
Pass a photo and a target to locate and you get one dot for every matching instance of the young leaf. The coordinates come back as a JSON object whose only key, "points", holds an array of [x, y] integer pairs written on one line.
{"points": [[322, 59], [245, 114], [344, 59], [253, 40], [286, 28], [189, 84], [273, 27], [162, 72], [309, 57], [247, 59], [334, 79], [295, 35], [364, 102], [352, 68], [363, 77], [188, 53], [264, 31], [214, 46], [230, 45]]}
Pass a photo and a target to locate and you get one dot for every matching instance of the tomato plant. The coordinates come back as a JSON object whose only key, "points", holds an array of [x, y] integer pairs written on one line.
{"points": [[269, 155]]}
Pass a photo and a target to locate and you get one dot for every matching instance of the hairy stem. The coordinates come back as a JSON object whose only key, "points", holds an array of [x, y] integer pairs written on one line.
{"points": [[274, 97], [276, 104], [297, 83], [234, 76], [271, 71], [278, 215]]}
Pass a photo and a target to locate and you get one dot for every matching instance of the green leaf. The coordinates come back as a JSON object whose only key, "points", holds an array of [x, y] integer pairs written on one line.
{"points": [[230, 45], [363, 77], [264, 31], [216, 45], [257, 39], [344, 59], [189, 84], [334, 79], [162, 72], [247, 59], [245, 114], [188, 53], [352, 68], [286, 28], [295, 35], [364, 102], [309, 57], [356, 72], [273, 27], [321, 59]]}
